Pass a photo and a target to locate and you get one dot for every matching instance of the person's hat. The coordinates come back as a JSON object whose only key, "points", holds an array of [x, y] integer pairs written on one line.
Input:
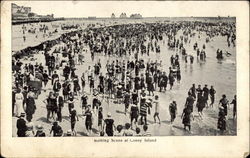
{"points": [[55, 123], [109, 114], [69, 132], [29, 126], [39, 127], [22, 114], [18, 90], [119, 86], [119, 127]]}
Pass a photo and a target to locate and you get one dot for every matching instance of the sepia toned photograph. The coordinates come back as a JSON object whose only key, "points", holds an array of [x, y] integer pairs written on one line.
{"points": [[123, 74]]}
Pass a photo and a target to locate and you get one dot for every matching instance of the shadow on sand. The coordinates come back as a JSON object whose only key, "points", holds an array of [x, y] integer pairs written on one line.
{"points": [[166, 122], [82, 133], [44, 119], [66, 118], [95, 131], [120, 112], [178, 127]]}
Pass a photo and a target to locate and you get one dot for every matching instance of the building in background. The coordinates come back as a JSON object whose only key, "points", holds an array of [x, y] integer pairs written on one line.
{"points": [[136, 16], [92, 17], [22, 14], [20, 9], [112, 16], [123, 16]]}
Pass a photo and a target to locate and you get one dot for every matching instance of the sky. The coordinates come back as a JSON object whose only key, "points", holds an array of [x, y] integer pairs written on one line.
{"points": [[145, 8]]}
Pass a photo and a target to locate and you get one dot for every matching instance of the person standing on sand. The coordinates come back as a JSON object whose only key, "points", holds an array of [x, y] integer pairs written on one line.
{"points": [[171, 81], [221, 124], [178, 74], [84, 101], [19, 102], [205, 94], [127, 99], [156, 102], [173, 111], [109, 125], [54, 77], [234, 102], [190, 102], [150, 85], [224, 103], [49, 101], [71, 101], [212, 95], [191, 59], [73, 119], [21, 126], [201, 105], [30, 107], [83, 81], [88, 120], [143, 108], [60, 104], [100, 119], [45, 79], [192, 91], [186, 118], [134, 114]]}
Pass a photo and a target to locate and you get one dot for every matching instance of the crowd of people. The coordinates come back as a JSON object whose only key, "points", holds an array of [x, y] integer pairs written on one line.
{"points": [[125, 77]]}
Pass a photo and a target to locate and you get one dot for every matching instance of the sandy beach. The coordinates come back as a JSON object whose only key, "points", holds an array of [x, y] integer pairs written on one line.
{"points": [[220, 74]]}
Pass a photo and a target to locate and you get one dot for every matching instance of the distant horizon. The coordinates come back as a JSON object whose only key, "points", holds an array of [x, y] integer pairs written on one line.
{"points": [[155, 17], [104, 9]]}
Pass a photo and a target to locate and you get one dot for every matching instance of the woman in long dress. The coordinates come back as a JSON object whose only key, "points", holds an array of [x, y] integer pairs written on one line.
{"points": [[19, 103], [186, 118], [30, 106]]}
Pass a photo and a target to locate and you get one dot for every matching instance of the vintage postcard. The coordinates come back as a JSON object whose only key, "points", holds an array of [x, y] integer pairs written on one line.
{"points": [[124, 79]]}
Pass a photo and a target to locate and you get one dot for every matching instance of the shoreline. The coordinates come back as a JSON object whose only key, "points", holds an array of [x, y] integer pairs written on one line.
{"points": [[25, 21], [23, 52], [210, 19]]}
